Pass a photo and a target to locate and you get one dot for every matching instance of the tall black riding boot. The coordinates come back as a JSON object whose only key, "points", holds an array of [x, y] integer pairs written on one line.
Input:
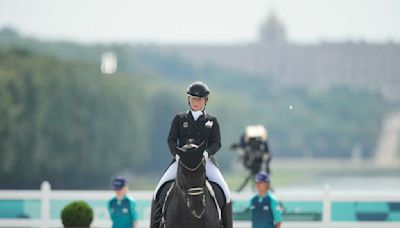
{"points": [[155, 217], [227, 215]]}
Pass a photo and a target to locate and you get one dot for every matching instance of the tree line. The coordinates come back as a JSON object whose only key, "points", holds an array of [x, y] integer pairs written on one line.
{"points": [[62, 120]]}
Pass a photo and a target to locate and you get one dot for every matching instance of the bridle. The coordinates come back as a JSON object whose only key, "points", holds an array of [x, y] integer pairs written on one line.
{"points": [[196, 191], [192, 169]]}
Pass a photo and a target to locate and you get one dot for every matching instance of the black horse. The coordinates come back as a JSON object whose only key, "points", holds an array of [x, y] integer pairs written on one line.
{"points": [[188, 201]]}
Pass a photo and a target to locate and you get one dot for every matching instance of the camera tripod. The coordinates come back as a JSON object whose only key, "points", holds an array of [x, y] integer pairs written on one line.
{"points": [[264, 166]]}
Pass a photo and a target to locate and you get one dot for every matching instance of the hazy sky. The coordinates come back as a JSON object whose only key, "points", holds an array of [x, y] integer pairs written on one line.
{"points": [[201, 21]]}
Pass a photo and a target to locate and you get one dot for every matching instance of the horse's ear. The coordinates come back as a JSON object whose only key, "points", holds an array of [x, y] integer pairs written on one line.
{"points": [[185, 156]]}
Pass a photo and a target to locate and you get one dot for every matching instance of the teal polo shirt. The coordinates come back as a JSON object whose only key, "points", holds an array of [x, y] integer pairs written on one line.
{"points": [[265, 211], [122, 212]]}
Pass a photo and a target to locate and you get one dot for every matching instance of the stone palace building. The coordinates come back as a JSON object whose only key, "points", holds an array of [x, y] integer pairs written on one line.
{"points": [[360, 65]]}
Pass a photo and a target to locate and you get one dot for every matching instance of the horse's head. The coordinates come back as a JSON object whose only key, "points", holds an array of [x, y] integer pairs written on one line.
{"points": [[191, 169], [192, 205], [191, 179]]}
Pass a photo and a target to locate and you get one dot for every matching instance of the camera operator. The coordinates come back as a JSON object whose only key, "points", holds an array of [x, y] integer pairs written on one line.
{"points": [[254, 152]]}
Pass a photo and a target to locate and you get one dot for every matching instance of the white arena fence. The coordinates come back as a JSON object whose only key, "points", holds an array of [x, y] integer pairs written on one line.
{"points": [[326, 196]]}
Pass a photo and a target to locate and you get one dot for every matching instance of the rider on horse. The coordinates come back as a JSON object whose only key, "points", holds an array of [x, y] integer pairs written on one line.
{"points": [[192, 128]]}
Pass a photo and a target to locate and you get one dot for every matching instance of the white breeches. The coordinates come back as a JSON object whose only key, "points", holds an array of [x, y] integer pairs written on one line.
{"points": [[212, 172]]}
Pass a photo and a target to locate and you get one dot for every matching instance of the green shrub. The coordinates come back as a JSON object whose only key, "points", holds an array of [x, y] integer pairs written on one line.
{"points": [[77, 214]]}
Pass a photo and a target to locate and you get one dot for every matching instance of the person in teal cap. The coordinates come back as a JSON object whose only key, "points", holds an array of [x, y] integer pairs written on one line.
{"points": [[122, 208], [266, 211]]}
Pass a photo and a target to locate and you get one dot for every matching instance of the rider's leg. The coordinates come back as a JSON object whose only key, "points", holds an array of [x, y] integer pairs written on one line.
{"points": [[170, 174], [227, 219], [213, 174]]}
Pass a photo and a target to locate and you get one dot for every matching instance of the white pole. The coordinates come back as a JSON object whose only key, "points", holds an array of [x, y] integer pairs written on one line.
{"points": [[45, 204], [326, 207]]}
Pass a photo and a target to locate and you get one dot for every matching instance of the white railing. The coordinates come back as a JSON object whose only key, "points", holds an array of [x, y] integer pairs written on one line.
{"points": [[326, 196]]}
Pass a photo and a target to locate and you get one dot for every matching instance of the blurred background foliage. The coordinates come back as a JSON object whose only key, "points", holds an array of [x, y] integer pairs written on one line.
{"points": [[63, 121]]}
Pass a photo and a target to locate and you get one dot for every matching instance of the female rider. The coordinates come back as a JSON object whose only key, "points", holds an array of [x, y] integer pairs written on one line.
{"points": [[195, 127]]}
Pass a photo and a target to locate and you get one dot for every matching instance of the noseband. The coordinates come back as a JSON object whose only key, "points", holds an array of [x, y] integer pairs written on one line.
{"points": [[192, 192]]}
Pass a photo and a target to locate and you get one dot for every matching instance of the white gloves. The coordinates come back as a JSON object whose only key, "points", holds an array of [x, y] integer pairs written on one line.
{"points": [[189, 146], [205, 154]]}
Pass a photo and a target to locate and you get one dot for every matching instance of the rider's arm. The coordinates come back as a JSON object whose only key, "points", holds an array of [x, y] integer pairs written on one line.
{"points": [[173, 135], [214, 140]]}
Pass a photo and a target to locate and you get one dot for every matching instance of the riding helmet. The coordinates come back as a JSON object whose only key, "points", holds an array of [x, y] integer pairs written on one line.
{"points": [[198, 89]]}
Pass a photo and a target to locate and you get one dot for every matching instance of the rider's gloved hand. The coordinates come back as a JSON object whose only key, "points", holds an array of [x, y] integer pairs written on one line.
{"points": [[205, 154], [189, 146], [186, 147]]}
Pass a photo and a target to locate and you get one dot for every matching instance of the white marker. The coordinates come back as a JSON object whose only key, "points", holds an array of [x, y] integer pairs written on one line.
{"points": [[108, 63]]}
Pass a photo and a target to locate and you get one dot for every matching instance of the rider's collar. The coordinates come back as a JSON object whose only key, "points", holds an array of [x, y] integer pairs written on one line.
{"points": [[196, 114]]}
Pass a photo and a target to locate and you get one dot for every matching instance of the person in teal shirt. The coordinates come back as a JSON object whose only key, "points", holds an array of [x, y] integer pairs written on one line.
{"points": [[266, 211], [122, 208]]}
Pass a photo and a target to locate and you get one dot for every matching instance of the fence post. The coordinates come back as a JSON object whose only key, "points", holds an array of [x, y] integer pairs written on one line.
{"points": [[45, 204], [326, 207]]}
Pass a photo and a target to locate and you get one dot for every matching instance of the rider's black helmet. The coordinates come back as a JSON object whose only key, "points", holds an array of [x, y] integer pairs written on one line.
{"points": [[198, 89]]}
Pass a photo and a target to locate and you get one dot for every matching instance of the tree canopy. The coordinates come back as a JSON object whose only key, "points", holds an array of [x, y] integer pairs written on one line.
{"points": [[63, 121]]}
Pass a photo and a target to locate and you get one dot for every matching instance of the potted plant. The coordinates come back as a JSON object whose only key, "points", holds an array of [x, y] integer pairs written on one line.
{"points": [[77, 214]]}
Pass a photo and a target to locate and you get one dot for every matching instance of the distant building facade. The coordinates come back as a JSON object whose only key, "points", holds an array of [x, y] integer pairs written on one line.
{"points": [[360, 65]]}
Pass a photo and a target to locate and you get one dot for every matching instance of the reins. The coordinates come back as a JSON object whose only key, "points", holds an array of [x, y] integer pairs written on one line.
{"points": [[192, 169]]}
